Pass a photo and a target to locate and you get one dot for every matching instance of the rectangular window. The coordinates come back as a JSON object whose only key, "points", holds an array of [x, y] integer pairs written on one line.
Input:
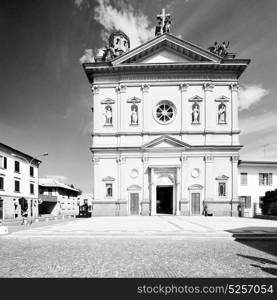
{"points": [[3, 162], [31, 188], [221, 189], [17, 166], [1, 183], [32, 171], [243, 178], [17, 186], [109, 190], [265, 178], [246, 201]]}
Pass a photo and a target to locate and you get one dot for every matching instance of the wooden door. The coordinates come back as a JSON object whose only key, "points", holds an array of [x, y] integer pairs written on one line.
{"points": [[1, 209], [195, 203], [134, 203]]}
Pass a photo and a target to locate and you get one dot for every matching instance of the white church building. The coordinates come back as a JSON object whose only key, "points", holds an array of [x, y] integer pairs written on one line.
{"points": [[165, 136]]}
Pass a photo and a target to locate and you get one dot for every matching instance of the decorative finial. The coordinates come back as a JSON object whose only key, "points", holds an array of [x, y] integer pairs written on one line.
{"points": [[164, 22]]}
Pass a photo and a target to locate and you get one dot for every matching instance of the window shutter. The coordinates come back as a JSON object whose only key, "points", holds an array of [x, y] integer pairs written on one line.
{"points": [[5, 162], [270, 178], [260, 179]]}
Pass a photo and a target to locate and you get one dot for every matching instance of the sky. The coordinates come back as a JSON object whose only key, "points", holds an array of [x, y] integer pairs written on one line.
{"points": [[45, 98]]}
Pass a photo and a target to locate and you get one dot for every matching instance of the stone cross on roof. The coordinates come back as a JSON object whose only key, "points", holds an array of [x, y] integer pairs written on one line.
{"points": [[164, 23], [163, 17]]}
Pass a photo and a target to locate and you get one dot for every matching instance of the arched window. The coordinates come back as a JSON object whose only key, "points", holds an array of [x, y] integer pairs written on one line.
{"points": [[134, 114], [221, 113], [195, 113], [108, 115]]}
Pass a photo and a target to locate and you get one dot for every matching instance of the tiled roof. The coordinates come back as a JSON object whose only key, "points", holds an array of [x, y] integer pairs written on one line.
{"points": [[49, 182]]}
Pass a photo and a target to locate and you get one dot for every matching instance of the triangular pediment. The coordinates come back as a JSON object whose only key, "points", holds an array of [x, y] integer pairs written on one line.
{"points": [[165, 49], [165, 142]]}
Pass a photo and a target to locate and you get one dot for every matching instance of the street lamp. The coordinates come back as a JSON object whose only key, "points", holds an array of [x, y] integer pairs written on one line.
{"points": [[29, 162]]}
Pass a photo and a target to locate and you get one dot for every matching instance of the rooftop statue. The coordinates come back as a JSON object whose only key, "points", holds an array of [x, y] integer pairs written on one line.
{"points": [[164, 23], [219, 49]]}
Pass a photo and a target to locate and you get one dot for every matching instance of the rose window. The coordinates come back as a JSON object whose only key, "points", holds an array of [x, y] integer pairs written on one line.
{"points": [[165, 112]]}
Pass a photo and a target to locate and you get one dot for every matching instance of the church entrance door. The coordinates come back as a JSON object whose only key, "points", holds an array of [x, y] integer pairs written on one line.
{"points": [[134, 203], [164, 199], [195, 203]]}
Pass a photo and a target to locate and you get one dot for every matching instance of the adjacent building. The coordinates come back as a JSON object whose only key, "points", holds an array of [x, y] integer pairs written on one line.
{"points": [[18, 183], [57, 198], [255, 178]]}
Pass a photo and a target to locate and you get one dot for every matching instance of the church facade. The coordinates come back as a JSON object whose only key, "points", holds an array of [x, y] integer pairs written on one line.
{"points": [[165, 136]]}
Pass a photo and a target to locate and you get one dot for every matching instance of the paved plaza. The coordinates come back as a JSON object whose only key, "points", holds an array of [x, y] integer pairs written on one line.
{"points": [[159, 246]]}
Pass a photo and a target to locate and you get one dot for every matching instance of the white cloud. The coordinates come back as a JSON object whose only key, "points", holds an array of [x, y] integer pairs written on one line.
{"points": [[251, 94], [134, 24], [78, 3]]}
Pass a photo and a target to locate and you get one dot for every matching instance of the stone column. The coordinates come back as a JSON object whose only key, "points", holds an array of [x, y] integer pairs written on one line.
{"points": [[184, 207], [178, 190], [145, 209], [153, 192], [209, 178], [234, 87], [184, 104], [144, 91], [95, 107], [234, 185], [208, 102], [119, 89]]}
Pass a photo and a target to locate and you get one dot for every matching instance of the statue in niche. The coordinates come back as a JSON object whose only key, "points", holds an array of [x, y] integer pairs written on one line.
{"points": [[222, 113], [108, 115], [134, 114], [195, 113]]}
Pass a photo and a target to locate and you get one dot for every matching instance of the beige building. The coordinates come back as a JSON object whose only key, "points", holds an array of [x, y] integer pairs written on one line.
{"points": [[57, 198], [165, 135], [18, 183]]}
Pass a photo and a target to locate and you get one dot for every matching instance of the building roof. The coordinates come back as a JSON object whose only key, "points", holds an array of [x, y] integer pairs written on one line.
{"points": [[9, 150], [49, 182], [267, 163]]}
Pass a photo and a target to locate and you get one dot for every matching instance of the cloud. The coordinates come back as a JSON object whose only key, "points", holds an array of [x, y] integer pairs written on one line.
{"points": [[250, 95], [78, 3], [135, 24]]}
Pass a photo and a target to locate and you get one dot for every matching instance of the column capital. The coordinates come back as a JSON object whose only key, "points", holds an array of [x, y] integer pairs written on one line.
{"points": [[183, 158], [234, 87], [234, 158], [95, 89], [145, 87], [183, 87], [120, 88], [121, 160], [208, 158], [96, 161], [144, 159], [208, 86]]}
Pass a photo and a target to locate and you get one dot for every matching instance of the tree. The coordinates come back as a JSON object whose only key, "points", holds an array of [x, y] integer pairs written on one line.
{"points": [[269, 203]]}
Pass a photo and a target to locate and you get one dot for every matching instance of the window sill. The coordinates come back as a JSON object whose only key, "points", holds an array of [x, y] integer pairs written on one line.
{"points": [[17, 172], [17, 192], [134, 125], [108, 125], [195, 123], [222, 123]]}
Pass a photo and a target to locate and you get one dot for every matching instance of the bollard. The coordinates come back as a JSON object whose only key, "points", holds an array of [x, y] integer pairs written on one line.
{"points": [[46, 219]]}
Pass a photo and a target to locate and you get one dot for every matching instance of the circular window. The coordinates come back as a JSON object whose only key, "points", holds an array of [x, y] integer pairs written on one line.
{"points": [[134, 173], [195, 173], [164, 112]]}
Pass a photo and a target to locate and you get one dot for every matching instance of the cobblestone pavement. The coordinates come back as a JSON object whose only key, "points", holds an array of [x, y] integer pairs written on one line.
{"points": [[155, 225], [137, 257], [160, 246]]}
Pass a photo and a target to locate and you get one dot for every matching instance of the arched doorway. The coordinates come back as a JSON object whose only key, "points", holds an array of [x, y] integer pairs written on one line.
{"points": [[164, 194]]}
